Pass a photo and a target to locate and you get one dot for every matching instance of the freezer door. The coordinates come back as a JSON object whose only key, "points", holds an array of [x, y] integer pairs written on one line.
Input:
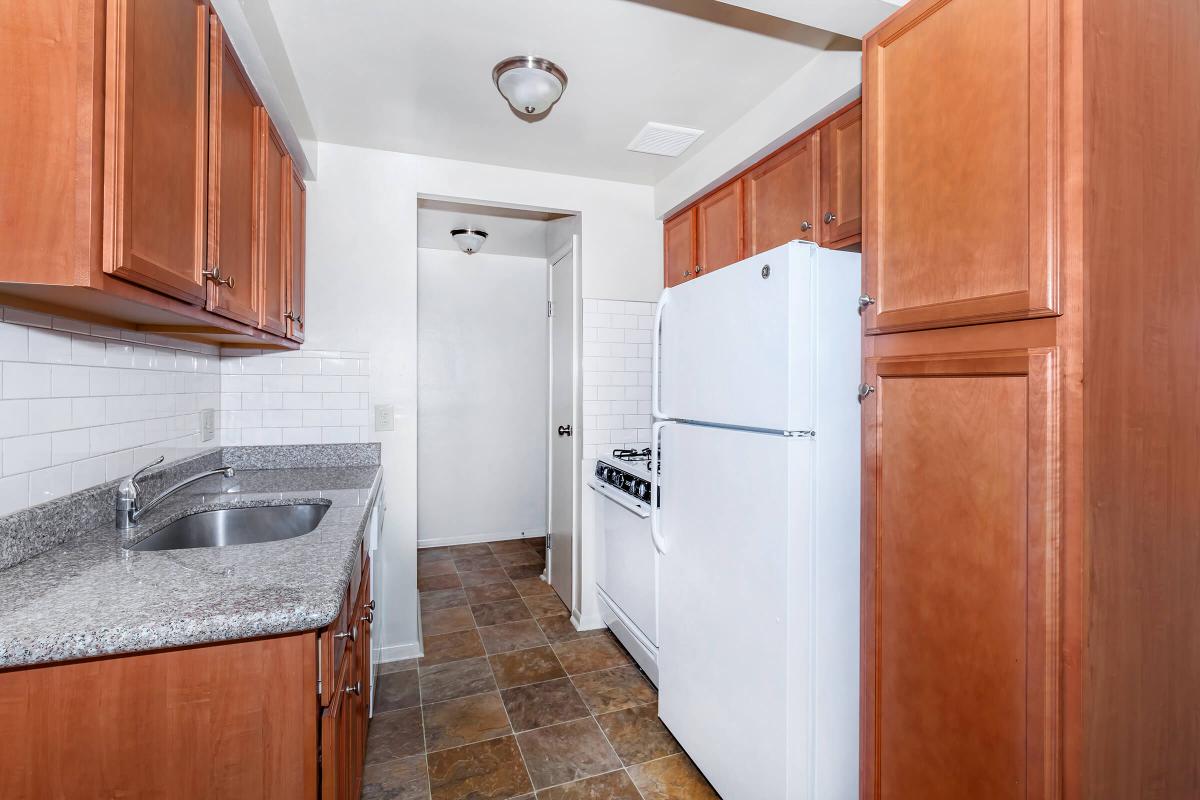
{"points": [[737, 345], [735, 522]]}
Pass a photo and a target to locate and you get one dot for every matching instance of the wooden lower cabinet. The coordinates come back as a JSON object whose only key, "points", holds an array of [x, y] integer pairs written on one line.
{"points": [[961, 564], [232, 720]]}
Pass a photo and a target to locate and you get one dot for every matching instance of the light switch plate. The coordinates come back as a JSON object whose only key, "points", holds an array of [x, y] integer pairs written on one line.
{"points": [[208, 425], [385, 417]]}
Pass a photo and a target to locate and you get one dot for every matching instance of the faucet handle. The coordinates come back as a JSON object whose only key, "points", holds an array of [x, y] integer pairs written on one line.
{"points": [[129, 486]]}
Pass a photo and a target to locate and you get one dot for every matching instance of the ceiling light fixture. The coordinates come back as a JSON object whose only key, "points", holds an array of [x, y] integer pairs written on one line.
{"points": [[469, 240], [530, 84]]}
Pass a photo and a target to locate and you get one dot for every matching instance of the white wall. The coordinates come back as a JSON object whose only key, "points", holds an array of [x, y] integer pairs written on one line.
{"points": [[827, 83], [482, 393], [362, 295]]}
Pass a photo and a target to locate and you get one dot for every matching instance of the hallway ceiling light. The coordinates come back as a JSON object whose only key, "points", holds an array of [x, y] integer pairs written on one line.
{"points": [[530, 84], [469, 240]]}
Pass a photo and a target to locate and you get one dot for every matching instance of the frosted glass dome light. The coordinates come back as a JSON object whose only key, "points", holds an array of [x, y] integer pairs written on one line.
{"points": [[530, 84], [469, 240]]}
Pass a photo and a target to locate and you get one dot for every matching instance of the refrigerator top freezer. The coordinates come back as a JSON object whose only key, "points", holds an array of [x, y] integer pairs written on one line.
{"points": [[743, 346]]}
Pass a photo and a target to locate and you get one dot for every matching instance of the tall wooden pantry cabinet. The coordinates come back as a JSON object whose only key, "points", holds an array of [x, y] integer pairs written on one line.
{"points": [[1031, 498]]}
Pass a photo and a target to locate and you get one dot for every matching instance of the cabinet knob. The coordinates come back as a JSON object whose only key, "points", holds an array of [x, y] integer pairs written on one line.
{"points": [[355, 689], [351, 634], [687, 273], [830, 217], [806, 226], [699, 269], [370, 606], [369, 618], [864, 389], [294, 318], [865, 300], [214, 275]]}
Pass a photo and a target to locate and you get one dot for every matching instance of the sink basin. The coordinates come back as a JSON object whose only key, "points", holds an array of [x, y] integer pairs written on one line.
{"points": [[228, 526]]}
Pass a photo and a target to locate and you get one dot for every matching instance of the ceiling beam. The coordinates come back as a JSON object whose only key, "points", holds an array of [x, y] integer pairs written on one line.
{"points": [[852, 18]]}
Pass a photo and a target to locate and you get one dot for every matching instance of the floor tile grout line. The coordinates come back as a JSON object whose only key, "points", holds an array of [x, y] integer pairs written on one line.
{"points": [[513, 730]]}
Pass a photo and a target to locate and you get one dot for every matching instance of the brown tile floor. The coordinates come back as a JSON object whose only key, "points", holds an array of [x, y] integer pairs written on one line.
{"points": [[510, 701]]}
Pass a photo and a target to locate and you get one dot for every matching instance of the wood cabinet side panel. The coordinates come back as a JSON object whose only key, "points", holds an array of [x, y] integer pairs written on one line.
{"points": [[225, 720], [297, 219], [275, 193]]}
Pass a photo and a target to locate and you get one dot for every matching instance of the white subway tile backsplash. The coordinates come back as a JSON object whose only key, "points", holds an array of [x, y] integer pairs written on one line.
{"points": [[305, 397], [80, 397], [23, 380], [616, 374]]}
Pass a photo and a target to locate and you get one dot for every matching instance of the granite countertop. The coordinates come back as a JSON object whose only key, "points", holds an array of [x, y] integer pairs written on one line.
{"points": [[91, 596]]}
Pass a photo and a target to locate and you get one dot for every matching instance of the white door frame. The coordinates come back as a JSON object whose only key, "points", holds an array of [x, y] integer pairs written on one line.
{"points": [[571, 249]]}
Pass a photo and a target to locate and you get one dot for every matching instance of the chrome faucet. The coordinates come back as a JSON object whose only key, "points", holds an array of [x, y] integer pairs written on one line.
{"points": [[129, 507]]}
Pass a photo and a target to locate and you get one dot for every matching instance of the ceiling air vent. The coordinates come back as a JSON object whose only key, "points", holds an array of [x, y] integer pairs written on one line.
{"points": [[664, 140]]}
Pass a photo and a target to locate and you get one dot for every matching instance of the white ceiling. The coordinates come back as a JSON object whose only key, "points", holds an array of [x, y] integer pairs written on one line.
{"points": [[507, 235], [415, 76]]}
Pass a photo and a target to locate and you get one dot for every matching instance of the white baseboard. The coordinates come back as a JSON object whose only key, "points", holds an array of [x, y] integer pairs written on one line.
{"points": [[479, 538], [587, 623], [399, 652]]}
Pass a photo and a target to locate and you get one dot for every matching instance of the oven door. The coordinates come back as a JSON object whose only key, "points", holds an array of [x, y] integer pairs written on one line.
{"points": [[627, 569]]}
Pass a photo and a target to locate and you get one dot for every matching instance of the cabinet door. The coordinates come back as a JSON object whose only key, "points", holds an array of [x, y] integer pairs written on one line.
{"points": [[157, 117], [337, 738], [233, 179], [841, 179], [719, 229], [961, 100], [679, 248], [276, 194], [295, 292], [781, 197], [960, 565]]}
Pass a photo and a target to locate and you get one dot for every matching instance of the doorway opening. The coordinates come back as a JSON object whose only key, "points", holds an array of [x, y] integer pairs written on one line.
{"points": [[498, 398]]}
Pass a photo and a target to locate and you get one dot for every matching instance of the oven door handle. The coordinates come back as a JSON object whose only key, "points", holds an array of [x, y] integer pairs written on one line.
{"points": [[660, 544], [632, 506]]}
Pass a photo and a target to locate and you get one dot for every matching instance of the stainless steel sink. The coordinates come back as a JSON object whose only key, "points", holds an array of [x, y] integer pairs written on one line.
{"points": [[228, 526]]}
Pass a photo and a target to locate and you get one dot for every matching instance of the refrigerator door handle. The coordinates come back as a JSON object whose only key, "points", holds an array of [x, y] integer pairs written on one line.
{"points": [[655, 342], [660, 544]]}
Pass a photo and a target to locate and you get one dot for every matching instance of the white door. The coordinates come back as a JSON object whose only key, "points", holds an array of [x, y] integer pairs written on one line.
{"points": [[731, 537], [562, 450]]}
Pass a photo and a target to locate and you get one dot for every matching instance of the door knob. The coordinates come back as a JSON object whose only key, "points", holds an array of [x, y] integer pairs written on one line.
{"points": [[564, 430], [830, 217]]}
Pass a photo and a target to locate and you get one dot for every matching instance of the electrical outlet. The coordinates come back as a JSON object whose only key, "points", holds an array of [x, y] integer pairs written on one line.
{"points": [[208, 424], [385, 417]]}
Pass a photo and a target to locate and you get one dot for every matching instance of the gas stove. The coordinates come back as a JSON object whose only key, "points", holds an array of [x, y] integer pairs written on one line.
{"points": [[626, 471]]}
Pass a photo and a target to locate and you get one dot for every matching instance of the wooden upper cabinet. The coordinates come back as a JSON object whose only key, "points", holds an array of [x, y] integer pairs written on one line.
{"points": [[276, 195], [961, 168], [295, 284], [155, 151], [679, 248], [233, 182], [719, 229], [781, 196], [841, 179], [961, 569]]}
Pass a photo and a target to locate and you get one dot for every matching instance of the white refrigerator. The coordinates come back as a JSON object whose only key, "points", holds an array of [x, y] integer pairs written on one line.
{"points": [[757, 522]]}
